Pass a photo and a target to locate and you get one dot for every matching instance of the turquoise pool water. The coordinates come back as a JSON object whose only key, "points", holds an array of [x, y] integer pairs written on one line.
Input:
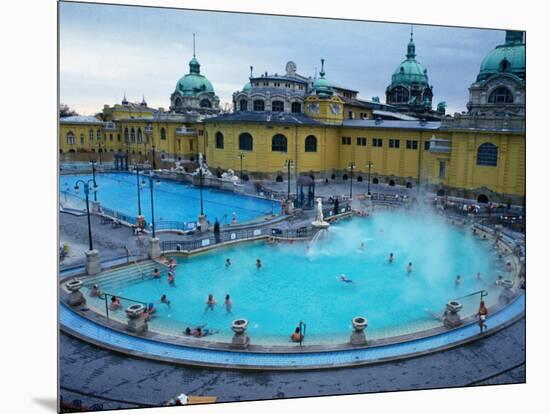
{"points": [[300, 283], [174, 201]]}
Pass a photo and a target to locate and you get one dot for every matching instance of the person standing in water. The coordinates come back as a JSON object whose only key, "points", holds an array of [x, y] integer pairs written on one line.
{"points": [[409, 268], [227, 263], [390, 259], [458, 280], [228, 304], [258, 264], [210, 302]]}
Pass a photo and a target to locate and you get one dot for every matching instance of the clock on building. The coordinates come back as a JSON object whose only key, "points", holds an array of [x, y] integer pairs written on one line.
{"points": [[335, 108], [313, 107]]}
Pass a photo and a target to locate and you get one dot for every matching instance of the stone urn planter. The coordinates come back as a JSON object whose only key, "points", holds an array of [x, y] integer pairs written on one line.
{"points": [[359, 323], [452, 318], [135, 311], [507, 292], [358, 336], [74, 285], [240, 339], [75, 298], [136, 323], [239, 326]]}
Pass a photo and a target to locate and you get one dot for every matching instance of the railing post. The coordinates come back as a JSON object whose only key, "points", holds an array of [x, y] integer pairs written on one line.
{"points": [[106, 307]]}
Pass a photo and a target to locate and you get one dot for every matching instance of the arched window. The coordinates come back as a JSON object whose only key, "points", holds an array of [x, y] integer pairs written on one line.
{"points": [[126, 135], [70, 138], [219, 140], [311, 144], [259, 105], [132, 135], [482, 198], [91, 135], [245, 141], [243, 105], [487, 154], [501, 95], [162, 133], [399, 95], [98, 134], [139, 137], [296, 107], [392, 183], [277, 106], [278, 143], [205, 103]]}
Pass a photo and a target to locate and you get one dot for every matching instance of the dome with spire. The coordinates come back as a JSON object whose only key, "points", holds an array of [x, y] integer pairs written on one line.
{"points": [[508, 57], [322, 86], [193, 83], [410, 70]]}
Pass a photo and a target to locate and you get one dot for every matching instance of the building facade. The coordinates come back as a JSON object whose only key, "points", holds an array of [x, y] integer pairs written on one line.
{"points": [[327, 130]]}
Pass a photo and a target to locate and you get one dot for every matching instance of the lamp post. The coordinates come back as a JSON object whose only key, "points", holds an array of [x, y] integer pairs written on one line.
{"points": [[288, 164], [136, 166], [93, 264], [86, 185], [241, 156], [99, 150], [203, 223], [93, 162], [152, 177], [154, 163], [351, 167], [368, 184]]}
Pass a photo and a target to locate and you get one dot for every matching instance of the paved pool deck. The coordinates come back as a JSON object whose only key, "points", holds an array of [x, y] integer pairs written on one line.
{"points": [[95, 375]]}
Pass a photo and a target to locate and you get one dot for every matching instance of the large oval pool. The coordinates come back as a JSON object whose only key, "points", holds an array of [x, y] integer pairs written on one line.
{"points": [[301, 281]]}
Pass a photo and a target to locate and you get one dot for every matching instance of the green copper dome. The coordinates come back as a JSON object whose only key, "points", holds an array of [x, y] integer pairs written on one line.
{"points": [[247, 87], [194, 83], [410, 70], [322, 86], [509, 57]]}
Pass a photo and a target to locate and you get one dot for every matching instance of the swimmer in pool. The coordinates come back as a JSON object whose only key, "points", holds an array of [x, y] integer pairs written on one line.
{"points": [[210, 303], [478, 276], [227, 263], [156, 274], [409, 267], [228, 304], [458, 280], [171, 278], [258, 263], [390, 259], [345, 279], [164, 299]]}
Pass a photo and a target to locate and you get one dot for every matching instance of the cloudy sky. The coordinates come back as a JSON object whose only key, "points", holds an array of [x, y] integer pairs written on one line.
{"points": [[108, 50]]}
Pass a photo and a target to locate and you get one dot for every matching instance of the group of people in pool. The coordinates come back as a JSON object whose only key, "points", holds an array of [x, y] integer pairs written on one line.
{"points": [[211, 302], [228, 263], [199, 331]]}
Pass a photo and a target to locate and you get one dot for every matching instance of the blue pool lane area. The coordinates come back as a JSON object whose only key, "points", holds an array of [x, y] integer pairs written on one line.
{"points": [[173, 201], [85, 329]]}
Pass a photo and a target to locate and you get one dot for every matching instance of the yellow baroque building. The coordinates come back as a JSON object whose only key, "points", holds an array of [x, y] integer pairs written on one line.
{"points": [[327, 132]]}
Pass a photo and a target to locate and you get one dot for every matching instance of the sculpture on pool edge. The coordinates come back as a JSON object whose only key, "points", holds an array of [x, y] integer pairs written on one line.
{"points": [[320, 222]]}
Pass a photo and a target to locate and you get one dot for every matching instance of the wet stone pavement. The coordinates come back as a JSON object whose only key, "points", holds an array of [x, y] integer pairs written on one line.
{"points": [[94, 375]]}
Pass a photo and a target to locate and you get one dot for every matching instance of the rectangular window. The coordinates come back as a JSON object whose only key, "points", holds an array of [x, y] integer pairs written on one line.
{"points": [[350, 115], [441, 169], [411, 144], [91, 135], [111, 137], [426, 145], [191, 146], [394, 143], [361, 141], [201, 132], [377, 142], [346, 140]]}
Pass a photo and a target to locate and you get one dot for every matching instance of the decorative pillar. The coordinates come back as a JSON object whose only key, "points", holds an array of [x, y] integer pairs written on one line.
{"points": [[240, 339], [136, 321], [358, 335], [93, 264], [76, 298], [452, 318], [154, 247]]}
